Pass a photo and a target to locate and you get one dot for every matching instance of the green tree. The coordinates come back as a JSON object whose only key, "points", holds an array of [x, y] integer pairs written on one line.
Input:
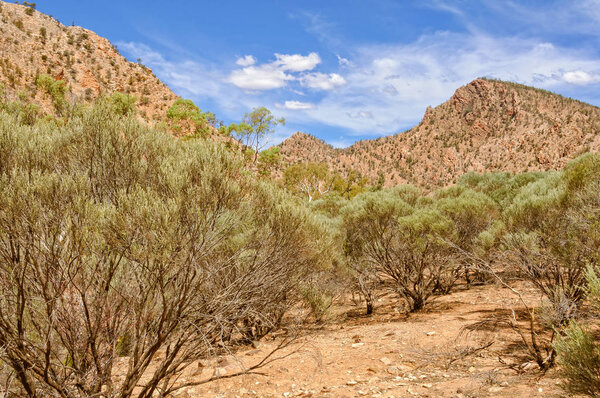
{"points": [[350, 185], [124, 104], [184, 115], [57, 90], [308, 179], [255, 129], [268, 160]]}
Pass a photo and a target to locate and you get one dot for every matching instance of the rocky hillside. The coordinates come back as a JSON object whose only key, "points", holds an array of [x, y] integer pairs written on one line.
{"points": [[487, 125], [32, 44]]}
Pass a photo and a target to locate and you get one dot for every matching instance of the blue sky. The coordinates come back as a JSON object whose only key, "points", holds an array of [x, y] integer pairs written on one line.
{"points": [[345, 70]]}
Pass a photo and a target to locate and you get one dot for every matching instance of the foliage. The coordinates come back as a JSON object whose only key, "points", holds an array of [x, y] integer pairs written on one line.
{"points": [[386, 239], [472, 213], [185, 111], [255, 128], [579, 352], [311, 180], [268, 160], [123, 104], [555, 232], [500, 187], [330, 205], [26, 113], [351, 185], [56, 89], [119, 240]]}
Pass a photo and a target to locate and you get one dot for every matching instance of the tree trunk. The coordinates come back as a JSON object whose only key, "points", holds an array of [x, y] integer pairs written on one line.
{"points": [[369, 307]]}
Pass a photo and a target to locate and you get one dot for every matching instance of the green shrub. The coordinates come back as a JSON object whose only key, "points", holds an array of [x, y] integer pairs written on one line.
{"points": [[55, 88], [123, 104], [386, 239], [186, 110], [118, 239], [579, 352]]}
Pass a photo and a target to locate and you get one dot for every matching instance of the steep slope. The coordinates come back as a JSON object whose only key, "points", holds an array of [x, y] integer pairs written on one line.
{"points": [[308, 148], [487, 125], [32, 43]]}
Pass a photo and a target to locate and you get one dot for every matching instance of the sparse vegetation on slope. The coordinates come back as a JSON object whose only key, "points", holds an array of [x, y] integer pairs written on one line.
{"points": [[37, 47], [486, 126], [127, 255]]}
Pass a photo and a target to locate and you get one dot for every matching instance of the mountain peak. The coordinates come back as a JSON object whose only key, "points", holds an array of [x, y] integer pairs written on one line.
{"points": [[487, 125], [34, 43]]}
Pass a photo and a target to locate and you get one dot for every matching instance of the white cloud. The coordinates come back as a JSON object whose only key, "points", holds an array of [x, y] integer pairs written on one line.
{"points": [[297, 62], [296, 105], [246, 60], [204, 82], [186, 78], [343, 61], [322, 81], [581, 78], [271, 75], [388, 87], [262, 77], [341, 142], [360, 115]]}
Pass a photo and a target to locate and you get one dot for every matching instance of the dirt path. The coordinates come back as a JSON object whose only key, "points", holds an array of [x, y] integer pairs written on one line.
{"points": [[389, 355]]}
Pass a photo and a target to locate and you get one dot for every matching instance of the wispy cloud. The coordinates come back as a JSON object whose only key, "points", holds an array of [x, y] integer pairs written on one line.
{"points": [[296, 105], [186, 77], [246, 60], [297, 62], [322, 81], [383, 88], [393, 84]]}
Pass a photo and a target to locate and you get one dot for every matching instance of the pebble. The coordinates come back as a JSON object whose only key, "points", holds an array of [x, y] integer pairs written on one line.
{"points": [[386, 361]]}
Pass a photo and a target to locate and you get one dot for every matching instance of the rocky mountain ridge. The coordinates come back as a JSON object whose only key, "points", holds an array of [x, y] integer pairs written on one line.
{"points": [[32, 43], [487, 125]]}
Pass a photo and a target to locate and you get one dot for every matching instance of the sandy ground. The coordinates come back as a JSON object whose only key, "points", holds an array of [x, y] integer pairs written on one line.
{"points": [[427, 354]]}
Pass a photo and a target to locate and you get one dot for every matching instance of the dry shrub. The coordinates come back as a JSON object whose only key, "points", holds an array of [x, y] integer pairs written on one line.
{"points": [[116, 240]]}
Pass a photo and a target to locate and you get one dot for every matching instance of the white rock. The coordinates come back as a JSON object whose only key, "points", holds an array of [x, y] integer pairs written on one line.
{"points": [[386, 361]]}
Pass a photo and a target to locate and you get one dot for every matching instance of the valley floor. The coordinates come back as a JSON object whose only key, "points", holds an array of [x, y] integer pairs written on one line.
{"points": [[434, 353]]}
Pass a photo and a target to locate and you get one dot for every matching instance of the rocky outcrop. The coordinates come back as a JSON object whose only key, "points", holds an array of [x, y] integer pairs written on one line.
{"points": [[487, 125], [32, 43]]}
